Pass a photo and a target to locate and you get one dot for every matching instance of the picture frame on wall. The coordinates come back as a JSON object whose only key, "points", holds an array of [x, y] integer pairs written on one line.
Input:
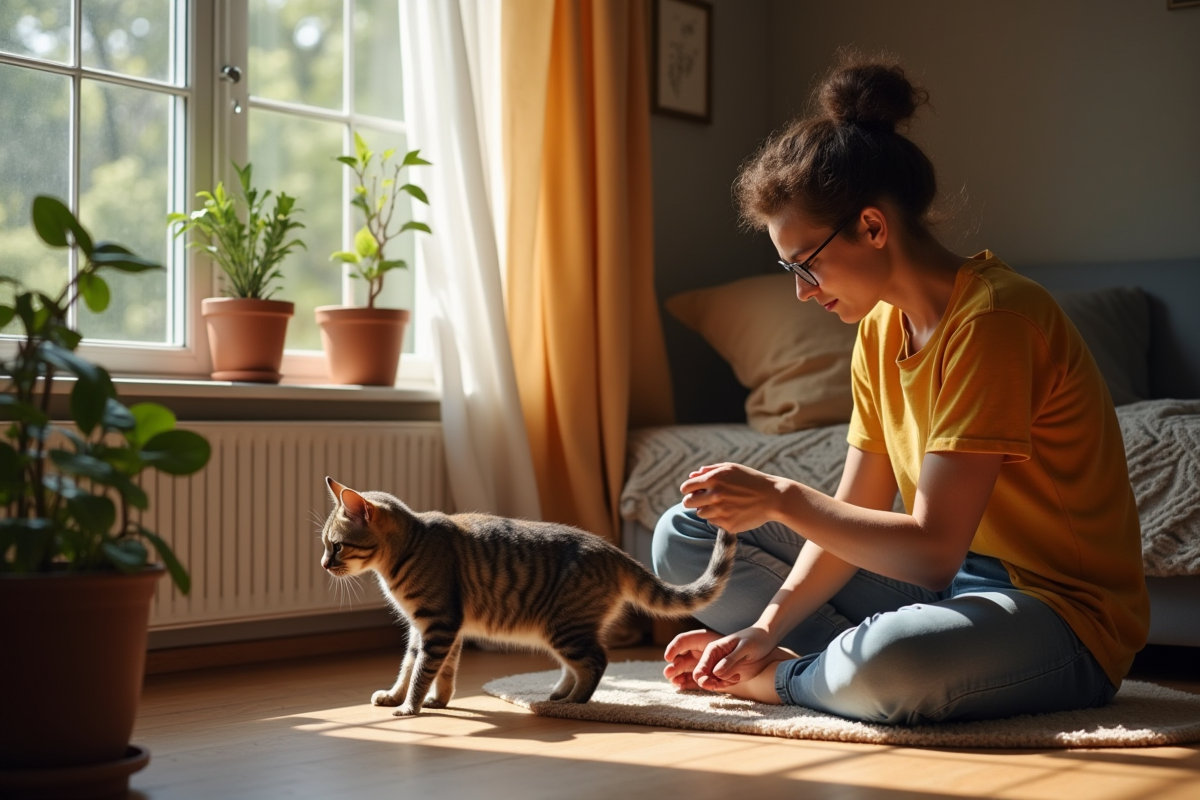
{"points": [[682, 48]]}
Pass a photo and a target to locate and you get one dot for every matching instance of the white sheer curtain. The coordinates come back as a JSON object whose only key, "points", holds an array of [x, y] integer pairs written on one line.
{"points": [[487, 448]]}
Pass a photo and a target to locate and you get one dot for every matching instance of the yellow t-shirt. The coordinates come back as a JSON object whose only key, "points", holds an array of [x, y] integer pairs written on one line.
{"points": [[1006, 372]]}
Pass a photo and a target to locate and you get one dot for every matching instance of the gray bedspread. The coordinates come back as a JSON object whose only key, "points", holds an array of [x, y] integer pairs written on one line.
{"points": [[1162, 444]]}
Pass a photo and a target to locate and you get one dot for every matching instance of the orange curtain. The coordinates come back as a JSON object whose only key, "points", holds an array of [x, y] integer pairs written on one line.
{"points": [[582, 311]]}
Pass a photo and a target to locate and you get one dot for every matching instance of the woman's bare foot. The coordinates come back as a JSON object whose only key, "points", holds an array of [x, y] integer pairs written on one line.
{"points": [[753, 680]]}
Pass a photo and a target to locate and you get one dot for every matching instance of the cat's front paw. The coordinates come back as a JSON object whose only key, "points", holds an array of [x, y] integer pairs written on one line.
{"points": [[433, 702], [406, 710], [384, 698]]}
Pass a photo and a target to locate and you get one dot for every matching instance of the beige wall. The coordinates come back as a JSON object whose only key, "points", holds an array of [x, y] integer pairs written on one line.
{"points": [[1073, 124]]}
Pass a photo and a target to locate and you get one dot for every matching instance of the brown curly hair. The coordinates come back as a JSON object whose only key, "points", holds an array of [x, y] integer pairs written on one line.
{"points": [[847, 154]]}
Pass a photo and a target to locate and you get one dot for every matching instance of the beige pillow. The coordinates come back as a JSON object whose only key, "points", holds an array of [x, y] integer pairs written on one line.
{"points": [[794, 357]]}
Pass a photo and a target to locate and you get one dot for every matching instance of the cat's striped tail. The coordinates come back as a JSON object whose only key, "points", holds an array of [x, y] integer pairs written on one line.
{"points": [[662, 599]]}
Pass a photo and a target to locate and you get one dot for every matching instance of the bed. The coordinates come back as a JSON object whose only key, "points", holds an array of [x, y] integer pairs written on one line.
{"points": [[792, 364]]}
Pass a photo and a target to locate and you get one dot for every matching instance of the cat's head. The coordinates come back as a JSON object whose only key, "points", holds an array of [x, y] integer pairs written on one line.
{"points": [[352, 533]]}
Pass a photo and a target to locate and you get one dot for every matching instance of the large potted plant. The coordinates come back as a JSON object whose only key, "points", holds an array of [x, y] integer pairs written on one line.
{"points": [[246, 329], [76, 575], [362, 345]]}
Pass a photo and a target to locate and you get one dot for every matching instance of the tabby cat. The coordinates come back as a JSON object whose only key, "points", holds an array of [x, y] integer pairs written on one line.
{"points": [[541, 584]]}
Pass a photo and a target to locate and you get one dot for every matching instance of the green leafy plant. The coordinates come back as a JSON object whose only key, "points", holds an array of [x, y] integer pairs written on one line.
{"points": [[249, 252], [66, 492], [375, 194]]}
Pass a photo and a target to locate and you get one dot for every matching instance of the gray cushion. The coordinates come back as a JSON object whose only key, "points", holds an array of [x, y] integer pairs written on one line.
{"points": [[1115, 324]]}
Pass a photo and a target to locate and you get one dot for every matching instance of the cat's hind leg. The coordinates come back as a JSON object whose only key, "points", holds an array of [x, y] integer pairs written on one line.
{"points": [[395, 696], [585, 659], [443, 684]]}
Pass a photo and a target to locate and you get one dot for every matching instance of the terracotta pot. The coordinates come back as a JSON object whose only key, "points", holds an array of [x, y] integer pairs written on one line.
{"points": [[362, 345], [246, 337], [74, 661]]}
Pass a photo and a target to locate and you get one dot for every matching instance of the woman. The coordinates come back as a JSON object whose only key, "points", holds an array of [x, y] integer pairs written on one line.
{"points": [[1013, 582]]}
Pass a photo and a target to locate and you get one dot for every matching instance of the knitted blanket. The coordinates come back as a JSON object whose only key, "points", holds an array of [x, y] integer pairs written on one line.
{"points": [[1162, 445]]}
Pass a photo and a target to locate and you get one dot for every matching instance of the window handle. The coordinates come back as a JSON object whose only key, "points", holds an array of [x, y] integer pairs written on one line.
{"points": [[231, 73]]}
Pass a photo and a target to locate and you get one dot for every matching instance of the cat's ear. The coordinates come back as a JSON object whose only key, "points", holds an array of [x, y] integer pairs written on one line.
{"points": [[335, 489], [359, 508]]}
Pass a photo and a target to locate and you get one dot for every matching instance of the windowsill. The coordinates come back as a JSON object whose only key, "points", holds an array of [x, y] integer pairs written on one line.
{"points": [[201, 388], [200, 399]]}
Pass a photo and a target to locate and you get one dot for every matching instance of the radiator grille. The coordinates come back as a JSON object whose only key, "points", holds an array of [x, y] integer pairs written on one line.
{"points": [[247, 525]]}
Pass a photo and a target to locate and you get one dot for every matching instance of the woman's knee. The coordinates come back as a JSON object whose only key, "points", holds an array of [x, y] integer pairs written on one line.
{"points": [[681, 545]]}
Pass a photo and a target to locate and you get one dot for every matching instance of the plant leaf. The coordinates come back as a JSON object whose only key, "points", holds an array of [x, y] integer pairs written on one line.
{"points": [[365, 243], [116, 416], [127, 555], [95, 513], [178, 574], [349, 161], [360, 147], [84, 465], [177, 452], [343, 255], [6, 315], [413, 159], [53, 221], [413, 225], [110, 254], [150, 419], [415, 191], [88, 401], [95, 291]]}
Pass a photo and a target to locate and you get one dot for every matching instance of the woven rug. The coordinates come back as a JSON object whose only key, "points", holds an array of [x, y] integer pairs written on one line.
{"points": [[1141, 715]]}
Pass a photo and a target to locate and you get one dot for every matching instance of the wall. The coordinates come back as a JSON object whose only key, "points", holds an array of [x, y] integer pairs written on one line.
{"points": [[1074, 125], [697, 241]]}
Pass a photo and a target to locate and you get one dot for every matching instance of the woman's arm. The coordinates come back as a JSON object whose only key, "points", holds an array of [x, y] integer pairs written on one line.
{"points": [[817, 575], [926, 548]]}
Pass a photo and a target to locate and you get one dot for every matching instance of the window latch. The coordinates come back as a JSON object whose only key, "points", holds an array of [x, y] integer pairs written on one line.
{"points": [[231, 73]]}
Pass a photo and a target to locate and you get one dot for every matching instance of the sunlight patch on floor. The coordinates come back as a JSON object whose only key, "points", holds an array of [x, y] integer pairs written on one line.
{"points": [[472, 725]]}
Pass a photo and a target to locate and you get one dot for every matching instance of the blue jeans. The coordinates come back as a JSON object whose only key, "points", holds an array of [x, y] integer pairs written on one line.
{"points": [[886, 651]]}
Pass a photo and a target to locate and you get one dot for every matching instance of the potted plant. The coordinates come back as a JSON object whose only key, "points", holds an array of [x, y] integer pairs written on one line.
{"points": [[246, 330], [362, 345], [76, 576]]}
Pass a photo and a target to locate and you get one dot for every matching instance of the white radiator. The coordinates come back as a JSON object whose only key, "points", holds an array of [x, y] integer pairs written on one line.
{"points": [[247, 526]]}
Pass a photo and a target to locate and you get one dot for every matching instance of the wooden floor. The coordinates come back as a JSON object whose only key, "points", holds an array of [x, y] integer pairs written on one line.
{"points": [[303, 729]]}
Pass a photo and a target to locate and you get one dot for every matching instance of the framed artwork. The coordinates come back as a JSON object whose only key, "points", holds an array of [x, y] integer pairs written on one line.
{"points": [[1174, 4], [682, 45]]}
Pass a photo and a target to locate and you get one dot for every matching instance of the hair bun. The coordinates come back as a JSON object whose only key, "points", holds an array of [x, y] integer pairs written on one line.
{"points": [[873, 93]]}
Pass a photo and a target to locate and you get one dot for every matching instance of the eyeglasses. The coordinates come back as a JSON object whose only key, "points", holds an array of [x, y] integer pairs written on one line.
{"points": [[802, 269]]}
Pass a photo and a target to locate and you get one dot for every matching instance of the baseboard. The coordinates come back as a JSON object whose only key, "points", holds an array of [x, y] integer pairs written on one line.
{"points": [[226, 654]]}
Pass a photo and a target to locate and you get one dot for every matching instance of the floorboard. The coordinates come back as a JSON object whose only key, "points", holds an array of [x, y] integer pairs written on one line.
{"points": [[303, 728]]}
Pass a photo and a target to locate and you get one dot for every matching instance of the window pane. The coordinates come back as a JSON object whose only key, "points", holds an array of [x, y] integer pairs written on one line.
{"points": [[399, 285], [131, 37], [296, 51], [124, 159], [296, 155], [38, 28], [32, 162], [377, 81]]}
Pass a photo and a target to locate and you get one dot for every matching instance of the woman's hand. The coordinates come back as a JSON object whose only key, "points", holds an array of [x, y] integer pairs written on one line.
{"points": [[733, 497], [735, 664]]}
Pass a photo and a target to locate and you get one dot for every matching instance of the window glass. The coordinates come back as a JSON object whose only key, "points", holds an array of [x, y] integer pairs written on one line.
{"points": [[129, 37], [378, 88], [296, 155], [36, 28], [32, 163], [296, 51], [123, 197]]}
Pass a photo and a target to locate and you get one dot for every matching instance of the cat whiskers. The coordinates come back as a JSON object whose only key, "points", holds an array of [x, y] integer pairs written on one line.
{"points": [[348, 588]]}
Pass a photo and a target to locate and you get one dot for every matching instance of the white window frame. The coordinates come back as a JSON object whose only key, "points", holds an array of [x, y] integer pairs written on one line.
{"points": [[215, 134]]}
